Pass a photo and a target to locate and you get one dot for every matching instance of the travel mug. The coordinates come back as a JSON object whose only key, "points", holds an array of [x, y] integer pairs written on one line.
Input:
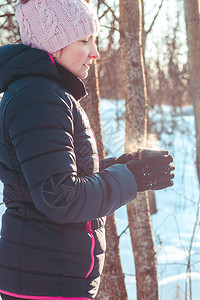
{"points": [[145, 153]]}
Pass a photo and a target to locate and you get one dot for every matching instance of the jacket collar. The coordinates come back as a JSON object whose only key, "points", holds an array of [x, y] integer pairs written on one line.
{"points": [[72, 83]]}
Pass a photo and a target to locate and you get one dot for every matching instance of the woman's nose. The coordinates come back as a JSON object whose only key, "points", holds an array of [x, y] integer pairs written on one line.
{"points": [[94, 52]]}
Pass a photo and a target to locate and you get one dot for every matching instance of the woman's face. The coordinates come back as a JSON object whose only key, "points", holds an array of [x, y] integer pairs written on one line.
{"points": [[78, 56]]}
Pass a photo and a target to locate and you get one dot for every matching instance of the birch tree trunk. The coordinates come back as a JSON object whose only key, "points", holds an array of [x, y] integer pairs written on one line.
{"points": [[193, 40], [112, 285], [136, 134]]}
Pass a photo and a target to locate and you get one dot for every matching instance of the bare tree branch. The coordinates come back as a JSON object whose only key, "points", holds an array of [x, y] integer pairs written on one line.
{"points": [[188, 271], [109, 27], [123, 231], [154, 19], [7, 15], [100, 61], [110, 9], [104, 13], [4, 22]]}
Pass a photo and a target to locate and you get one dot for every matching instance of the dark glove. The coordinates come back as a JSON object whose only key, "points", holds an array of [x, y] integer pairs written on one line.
{"points": [[154, 173], [107, 162], [123, 159]]}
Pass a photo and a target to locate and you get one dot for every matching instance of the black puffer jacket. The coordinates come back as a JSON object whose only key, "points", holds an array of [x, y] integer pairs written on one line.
{"points": [[52, 185]]}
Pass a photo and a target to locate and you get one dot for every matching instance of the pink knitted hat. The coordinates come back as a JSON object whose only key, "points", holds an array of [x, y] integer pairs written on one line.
{"points": [[51, 25]]}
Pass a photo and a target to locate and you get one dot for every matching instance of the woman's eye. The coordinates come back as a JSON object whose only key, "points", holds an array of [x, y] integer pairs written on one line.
{"points": [[84, 42]]}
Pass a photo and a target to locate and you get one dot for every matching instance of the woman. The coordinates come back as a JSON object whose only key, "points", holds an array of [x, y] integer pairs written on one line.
{"points": [[52, 238]]}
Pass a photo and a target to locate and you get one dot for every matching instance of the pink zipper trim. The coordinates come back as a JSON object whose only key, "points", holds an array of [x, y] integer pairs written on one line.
{"points": [[41, 297], [90, 231], [51, 58]]}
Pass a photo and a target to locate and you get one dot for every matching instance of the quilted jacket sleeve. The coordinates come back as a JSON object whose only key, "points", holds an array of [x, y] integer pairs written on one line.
{"points": [[41, 127]]}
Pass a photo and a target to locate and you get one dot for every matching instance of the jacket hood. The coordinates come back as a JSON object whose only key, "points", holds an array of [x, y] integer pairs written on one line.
{"points": [[19, 60]]}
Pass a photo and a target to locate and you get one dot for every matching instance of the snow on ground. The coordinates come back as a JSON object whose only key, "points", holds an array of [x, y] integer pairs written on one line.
{"points": [[174, 222]]}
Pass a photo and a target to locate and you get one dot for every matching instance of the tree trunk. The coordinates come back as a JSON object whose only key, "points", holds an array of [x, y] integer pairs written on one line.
{"points": [[193, 39], [136, 134], [112, 285]]}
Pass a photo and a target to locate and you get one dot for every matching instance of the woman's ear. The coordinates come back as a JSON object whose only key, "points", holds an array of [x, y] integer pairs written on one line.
{"points": [[54, 54], [57, 54]]}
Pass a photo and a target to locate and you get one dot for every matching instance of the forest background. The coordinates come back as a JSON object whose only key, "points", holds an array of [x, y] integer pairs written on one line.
{"points": [[159, 75]]}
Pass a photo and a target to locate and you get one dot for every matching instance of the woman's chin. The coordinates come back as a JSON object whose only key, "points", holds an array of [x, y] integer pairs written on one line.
{"points": [[83, 75]]}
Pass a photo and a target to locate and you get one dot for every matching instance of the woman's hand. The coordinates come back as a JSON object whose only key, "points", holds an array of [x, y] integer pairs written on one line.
{"points": [[124, 158], [154, 173]]}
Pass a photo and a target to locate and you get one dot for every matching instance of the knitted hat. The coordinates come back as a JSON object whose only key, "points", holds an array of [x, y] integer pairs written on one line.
{"points": [[51, 25]]}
